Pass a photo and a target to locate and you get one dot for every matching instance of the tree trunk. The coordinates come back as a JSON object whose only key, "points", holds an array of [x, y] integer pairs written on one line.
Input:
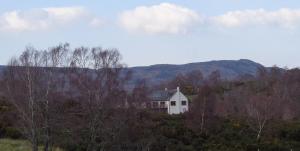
{"points": [[47, 128], [34, 144], [32, 112], [258, 135], [203, 116]]}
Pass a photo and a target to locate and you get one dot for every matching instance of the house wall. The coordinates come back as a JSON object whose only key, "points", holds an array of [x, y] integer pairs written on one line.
{"points": [[159, 106], [178, 97]]}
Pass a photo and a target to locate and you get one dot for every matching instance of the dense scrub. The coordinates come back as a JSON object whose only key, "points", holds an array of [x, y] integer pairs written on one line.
{"points": [[140, 130]]}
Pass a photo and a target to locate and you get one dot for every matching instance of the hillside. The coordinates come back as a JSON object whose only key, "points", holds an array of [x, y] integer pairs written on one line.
{"points": [[154, 74], [229, 69]]}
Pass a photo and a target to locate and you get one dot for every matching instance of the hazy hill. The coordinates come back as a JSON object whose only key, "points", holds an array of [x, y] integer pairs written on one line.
{"points": [[155, 74], [229, 69]]}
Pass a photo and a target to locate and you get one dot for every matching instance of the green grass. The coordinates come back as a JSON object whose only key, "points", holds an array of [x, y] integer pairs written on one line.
{"points": [[17, 145]]}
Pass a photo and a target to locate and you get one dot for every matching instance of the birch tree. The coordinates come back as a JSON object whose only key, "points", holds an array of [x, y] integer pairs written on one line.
{"points": [[23, 81], [31, 81], [53, 61], [95, 77]]}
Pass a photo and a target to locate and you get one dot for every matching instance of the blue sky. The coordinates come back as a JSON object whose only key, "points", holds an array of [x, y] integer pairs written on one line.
{"points": [[155, 32]]}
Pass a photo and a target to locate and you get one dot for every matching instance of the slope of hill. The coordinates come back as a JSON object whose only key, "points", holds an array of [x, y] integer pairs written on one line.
{"points": [[154, 74], [229, 69]]}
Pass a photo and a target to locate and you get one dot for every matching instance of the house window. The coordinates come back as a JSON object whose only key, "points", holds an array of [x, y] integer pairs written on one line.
{"points": [[162, 103], [173, 103], [183, 102], [155, 104]]}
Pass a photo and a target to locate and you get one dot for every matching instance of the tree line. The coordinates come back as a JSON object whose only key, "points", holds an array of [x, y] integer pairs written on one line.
{"points": [[77, 99]]}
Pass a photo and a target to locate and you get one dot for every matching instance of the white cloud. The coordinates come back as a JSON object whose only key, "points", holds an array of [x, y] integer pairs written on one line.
{"points": [[42, 18], [162, 18], [66, 14], [96, 22], [285, 17]]}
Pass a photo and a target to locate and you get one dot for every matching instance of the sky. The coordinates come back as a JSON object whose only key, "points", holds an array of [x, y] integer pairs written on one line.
{"points": [[158, 32]]}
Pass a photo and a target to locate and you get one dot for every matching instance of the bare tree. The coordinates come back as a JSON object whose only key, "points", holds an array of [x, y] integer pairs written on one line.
{"points": [[140, 95], [96, 79], [53, 59], [31, 80], [262, 100], [195, 79], [260, 111], [202, 109], [23, 81]]}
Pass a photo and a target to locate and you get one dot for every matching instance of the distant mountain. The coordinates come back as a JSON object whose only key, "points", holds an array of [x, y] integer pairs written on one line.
{"points": [[229, 69], [155, 74]]}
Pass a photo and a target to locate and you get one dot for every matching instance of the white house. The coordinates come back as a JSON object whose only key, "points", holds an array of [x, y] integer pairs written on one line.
{"points": [[169, 101]]}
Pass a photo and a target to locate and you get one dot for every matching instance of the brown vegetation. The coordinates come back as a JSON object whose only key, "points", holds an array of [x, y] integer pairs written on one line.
{"points": [[77, 100]]}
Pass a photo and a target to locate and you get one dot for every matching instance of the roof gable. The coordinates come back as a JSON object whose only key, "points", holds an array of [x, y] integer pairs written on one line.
{"points": [[162, 95]]}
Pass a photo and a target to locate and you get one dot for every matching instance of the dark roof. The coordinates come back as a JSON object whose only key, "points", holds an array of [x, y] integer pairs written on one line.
{"points": [[163, 95]]}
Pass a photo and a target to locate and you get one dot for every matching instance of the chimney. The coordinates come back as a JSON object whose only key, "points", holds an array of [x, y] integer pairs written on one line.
{"points": [[178, 90]]}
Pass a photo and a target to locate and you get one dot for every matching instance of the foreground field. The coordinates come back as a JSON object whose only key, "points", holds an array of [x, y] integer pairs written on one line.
{"points": [[16, 145]]}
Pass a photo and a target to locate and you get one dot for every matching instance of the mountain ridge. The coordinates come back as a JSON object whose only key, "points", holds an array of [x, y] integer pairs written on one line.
{"points": [[157, 73], [229, 69]]}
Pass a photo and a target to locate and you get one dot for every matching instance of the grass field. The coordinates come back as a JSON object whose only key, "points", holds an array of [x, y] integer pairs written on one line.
{"points": [[17, 145]]}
